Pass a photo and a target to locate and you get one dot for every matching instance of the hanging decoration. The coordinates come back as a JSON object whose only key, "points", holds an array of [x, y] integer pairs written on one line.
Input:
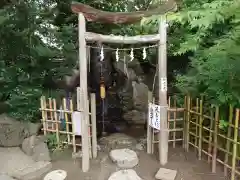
{"points": [[102, 54], [117, 55], [144, 53], [131, 55]]}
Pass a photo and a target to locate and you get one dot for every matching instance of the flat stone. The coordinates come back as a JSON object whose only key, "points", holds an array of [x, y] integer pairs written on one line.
{"points": [[21, 166], [56, 175], [124, 158], [128, 174], [166, 174]]}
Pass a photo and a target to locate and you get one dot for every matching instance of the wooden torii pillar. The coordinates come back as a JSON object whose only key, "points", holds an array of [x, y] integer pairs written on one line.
{"points": [[92, 14]]}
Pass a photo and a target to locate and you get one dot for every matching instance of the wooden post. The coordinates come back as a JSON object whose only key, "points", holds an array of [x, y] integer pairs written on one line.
{"points": [[162, 75], [84, 94], [215, 139], [94, 125], [149, 128], [235, 145]]}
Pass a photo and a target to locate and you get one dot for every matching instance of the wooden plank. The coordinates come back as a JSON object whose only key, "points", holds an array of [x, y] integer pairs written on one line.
{"points": [[162, 75], [94, 125], [89, 36], [83, 91]]}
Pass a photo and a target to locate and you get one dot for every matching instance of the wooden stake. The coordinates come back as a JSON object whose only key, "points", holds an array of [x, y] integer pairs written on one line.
{"points": [[94, 125], [200, 130], [52, 126], [235, 145], [185, 123], [174, 122], [210, 134], [73, 133], [214, 155], [196, 125], [66, 119], [56, 121], [188, 122], [89, 135], [84, 93], [149, 129], [229, 132], [43, 107], [162, 75]]}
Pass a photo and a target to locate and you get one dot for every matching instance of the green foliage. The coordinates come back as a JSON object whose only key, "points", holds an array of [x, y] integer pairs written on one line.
{"points": [[210, 30]]}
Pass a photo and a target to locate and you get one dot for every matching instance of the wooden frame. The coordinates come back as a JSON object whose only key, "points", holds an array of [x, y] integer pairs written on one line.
{"points": [[51, 123]]}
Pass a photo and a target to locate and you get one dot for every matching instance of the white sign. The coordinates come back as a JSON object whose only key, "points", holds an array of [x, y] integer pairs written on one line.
{"points": [[163, 84], [154, 116], [76, 120]]}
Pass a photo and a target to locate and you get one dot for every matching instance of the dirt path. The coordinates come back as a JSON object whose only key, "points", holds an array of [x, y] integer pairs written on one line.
{"points": [[187, 165]]}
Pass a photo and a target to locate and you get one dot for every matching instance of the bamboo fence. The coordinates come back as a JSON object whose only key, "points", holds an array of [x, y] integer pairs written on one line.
{"points": [[52, 123], [197, 125], [206, 136], [175, 125]]}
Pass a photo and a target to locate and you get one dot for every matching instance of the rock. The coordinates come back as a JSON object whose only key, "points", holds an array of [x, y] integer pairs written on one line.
{"points": [[6, 177], [118, 141], [140, 147], [128, 174], [21, 166], [140, 96], [166, 174], [125, 158], [13, 132], [135, 116], [35, 147]]}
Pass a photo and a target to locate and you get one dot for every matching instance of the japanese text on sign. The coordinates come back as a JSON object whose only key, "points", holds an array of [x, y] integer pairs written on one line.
{"points": [[154, 116]]}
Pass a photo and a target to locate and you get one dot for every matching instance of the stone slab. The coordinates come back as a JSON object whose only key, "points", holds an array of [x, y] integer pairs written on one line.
{"points": [[124, 158], [128, 174], [166, 174]]}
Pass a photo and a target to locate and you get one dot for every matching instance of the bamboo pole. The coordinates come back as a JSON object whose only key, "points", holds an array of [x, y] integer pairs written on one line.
{"points": [[73, 133], [229, 133], [43, 107], [174, 123], [56, 121], [200, 130], [196, 125], [185, 124], [210, 134], [235, 145], [66, 119], [51, 113], [94, 125], [149, 129], [215, 135], [188, 121]]}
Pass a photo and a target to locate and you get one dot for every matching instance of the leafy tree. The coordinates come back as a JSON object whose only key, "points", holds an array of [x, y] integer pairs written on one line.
{"points": [[210, 32]]}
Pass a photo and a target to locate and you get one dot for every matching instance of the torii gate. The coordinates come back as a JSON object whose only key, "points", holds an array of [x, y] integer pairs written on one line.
{"points": [[92, 14]]}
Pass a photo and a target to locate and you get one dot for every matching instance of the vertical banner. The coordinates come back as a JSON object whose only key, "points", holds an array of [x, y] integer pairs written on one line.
{"points": [[154, 115]]}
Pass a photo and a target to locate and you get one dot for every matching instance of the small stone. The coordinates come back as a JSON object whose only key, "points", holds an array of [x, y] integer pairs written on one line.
{"points": [[125, 158], [166, 174], [128, 174]]}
